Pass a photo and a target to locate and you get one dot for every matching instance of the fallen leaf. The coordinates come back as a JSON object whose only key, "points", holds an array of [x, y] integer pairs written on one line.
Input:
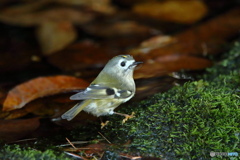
{"points": [[102, 6], [119, 29], [207, 38], [39, 87], [54, 36], [157, 41], [147, 87], [154, 42], [11, 130], [16, 114], [174, 10], [164, 65], [50, 106], [53, 14], [177, 62], [3, 115], [81, 55]]}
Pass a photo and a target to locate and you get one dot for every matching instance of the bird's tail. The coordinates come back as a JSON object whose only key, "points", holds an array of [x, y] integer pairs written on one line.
{"points": [[71, 113]]}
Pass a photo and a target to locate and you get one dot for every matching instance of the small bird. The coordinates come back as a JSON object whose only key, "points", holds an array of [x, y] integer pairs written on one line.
{"points": [[113, 86]]}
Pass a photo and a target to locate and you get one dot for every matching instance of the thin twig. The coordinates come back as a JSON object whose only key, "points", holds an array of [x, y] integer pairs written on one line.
{"points": [[75, 155], [77, 142], [71, 143], [23, 140], [104, 137]]}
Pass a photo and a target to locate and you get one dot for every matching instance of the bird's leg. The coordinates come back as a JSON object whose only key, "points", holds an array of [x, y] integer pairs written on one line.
{"points": [[103, 124], [125, 115]]}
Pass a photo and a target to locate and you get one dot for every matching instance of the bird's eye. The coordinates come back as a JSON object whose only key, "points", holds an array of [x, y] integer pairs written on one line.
{"points": [[123, 63]]}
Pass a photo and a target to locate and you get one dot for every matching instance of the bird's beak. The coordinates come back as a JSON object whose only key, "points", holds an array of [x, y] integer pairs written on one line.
{"points": [[136, 63]]}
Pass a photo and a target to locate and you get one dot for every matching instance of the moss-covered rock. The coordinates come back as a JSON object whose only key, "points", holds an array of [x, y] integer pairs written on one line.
{"points": [[188, 121]]}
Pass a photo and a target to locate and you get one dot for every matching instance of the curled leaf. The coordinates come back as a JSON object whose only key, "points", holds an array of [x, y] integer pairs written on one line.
{"points": [[39, 87]]}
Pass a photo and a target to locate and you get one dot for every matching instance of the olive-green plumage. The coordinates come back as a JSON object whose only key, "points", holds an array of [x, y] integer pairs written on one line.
{"points": [[114, 85]]}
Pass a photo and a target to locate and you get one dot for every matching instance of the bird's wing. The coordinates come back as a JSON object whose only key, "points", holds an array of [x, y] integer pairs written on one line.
{"points": [[97, 91]]}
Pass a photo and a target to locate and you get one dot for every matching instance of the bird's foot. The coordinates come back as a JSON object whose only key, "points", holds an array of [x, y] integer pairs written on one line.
{"points": [[126, 116], [103, 124]]}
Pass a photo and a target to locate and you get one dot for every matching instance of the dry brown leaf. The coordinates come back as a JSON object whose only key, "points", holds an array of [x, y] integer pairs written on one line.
{"points": [[207, 38], [39, 87], [3, 115], [51, 106], [81, 55], [16, 114], [157, 41], [170, 63], [154, 42], [54, 36], [174, 10], [53, 14], [102, 6], [147, 87], [121, 28], [11, 130], [55, 25]]}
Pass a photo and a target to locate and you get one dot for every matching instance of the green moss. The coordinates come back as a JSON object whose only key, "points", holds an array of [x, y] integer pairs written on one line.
{"points": [[15, 152], [188, 121]]}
